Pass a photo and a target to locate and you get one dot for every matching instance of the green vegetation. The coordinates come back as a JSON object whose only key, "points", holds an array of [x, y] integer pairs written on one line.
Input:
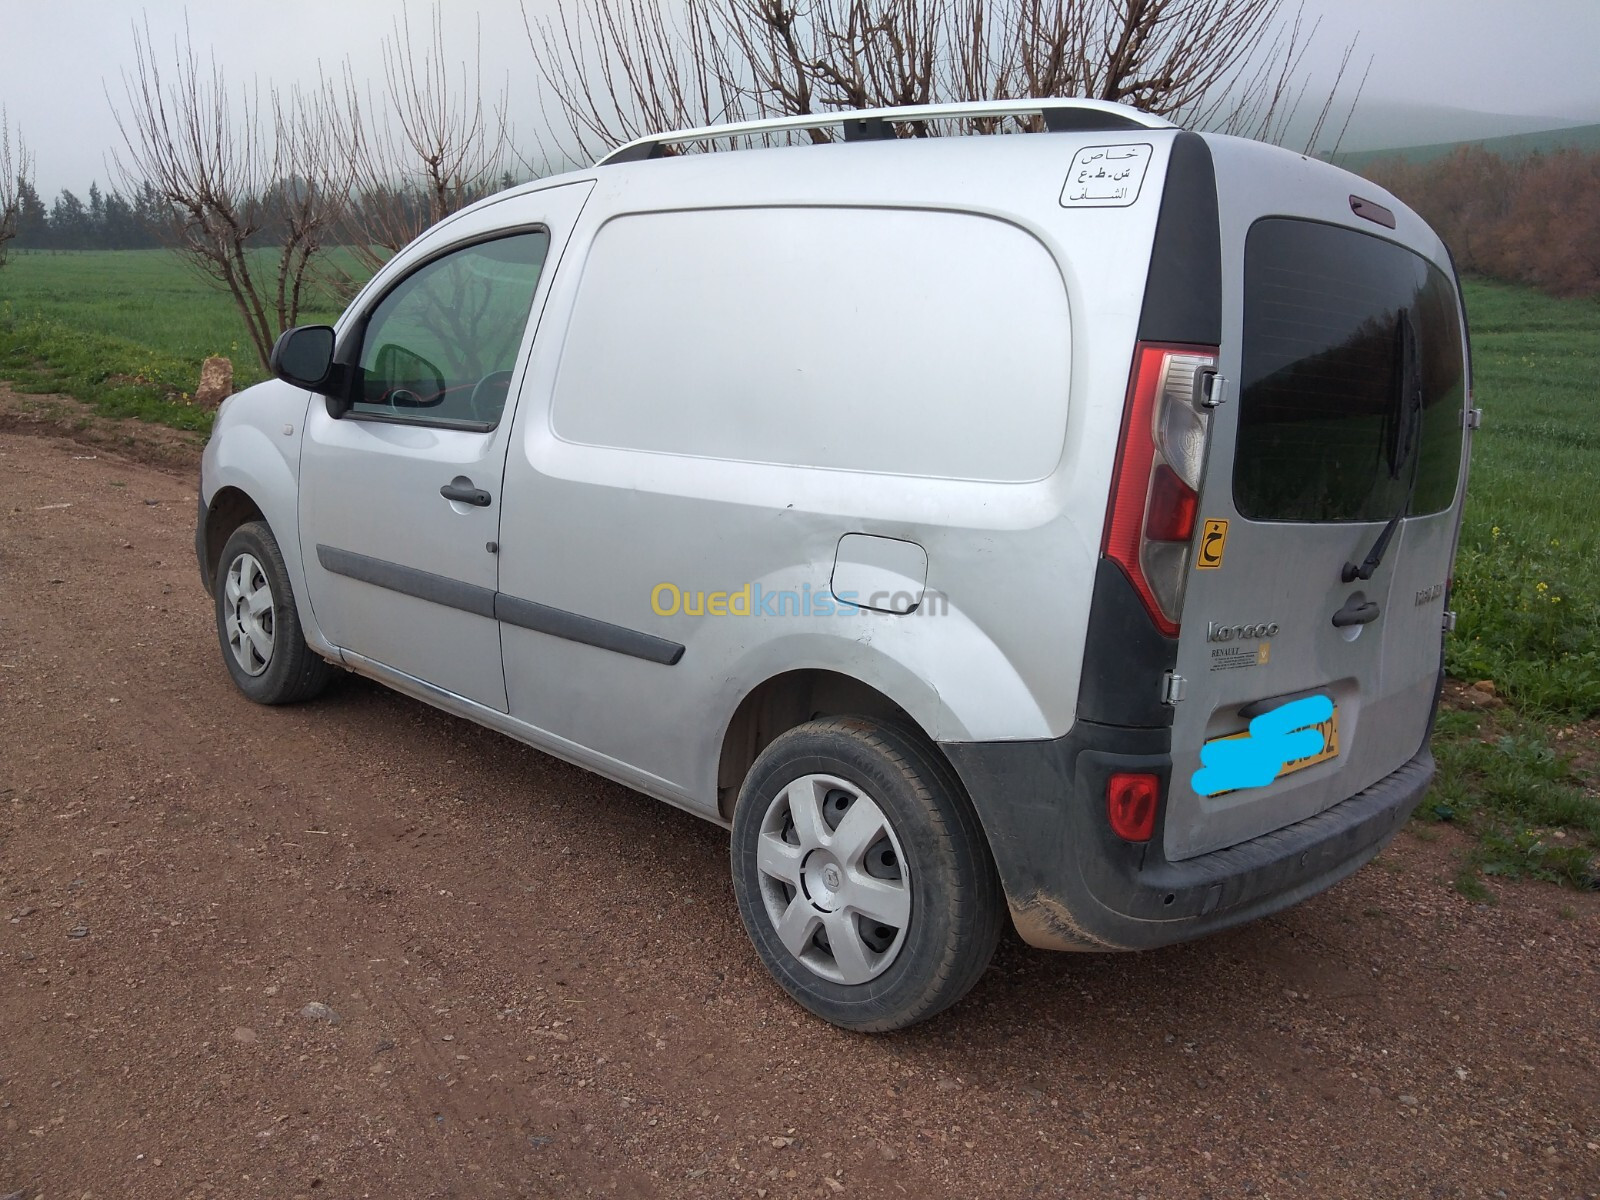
{"points": [[126, 330], [1522, 778], [1532, 811], [1526, 585]]}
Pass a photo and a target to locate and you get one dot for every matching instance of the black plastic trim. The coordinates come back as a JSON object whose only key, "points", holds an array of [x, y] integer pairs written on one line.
{"points": [[354, 414], [486, 602], [1072, 884], [408, 581], [634, 153], [1356, 614], [1183, 291], [591, 631], [868, 129], [1124, 656], [1085, 120], [1252, 710], [200, 541]]}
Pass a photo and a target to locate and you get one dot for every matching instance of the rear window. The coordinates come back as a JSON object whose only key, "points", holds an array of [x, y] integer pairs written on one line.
{"points": [[1320, 405]]}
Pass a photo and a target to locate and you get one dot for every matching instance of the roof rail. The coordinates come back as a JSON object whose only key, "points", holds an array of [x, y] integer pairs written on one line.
{"points": [[1060, 116]]}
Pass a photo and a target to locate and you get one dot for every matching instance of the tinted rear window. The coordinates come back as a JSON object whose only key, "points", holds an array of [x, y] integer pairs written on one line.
{"points": [[1320, 398]]}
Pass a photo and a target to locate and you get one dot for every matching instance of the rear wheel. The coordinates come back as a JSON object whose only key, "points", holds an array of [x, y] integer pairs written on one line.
{"points": [[862, 875], [258, 625]]}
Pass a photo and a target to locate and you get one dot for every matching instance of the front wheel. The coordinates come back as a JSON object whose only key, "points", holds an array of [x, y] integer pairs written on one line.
{"points": [[862, 875], [258, 625]]}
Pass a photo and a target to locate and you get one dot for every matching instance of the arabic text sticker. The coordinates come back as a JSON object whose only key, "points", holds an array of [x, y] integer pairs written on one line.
{"points": [[1106, 176]]}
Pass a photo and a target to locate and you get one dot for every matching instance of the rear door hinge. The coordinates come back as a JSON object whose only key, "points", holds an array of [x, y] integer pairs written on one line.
{"points": [[1474, 418], [1449, 621], [1174, 687]]}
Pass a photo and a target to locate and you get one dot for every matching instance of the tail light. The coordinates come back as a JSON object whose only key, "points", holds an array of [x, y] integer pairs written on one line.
{"points": [[1155, 492]]}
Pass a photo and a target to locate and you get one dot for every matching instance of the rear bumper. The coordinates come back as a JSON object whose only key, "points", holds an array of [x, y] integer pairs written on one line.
{"points": [[1074, 885]]}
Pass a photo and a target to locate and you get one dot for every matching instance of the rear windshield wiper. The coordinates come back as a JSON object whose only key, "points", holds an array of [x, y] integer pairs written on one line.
{"points": [[1406, 449]]}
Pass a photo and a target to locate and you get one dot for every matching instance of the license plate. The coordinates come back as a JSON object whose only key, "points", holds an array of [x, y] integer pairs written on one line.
{"points": [[1330, 745]]}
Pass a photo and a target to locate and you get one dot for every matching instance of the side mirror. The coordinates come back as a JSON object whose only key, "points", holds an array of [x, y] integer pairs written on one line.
{"points": [[405, 372], [303, 356]]}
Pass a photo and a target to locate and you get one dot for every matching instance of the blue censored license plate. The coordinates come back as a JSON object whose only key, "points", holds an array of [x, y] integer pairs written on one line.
{"points": [[1330, 745]]}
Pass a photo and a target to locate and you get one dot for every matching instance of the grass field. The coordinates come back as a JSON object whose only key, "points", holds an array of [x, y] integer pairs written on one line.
{"points": [[126, 332]]}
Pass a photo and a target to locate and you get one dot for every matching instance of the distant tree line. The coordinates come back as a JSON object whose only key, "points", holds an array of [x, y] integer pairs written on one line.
{"points": [[1532, 220], [106, 221], [112, 221]]}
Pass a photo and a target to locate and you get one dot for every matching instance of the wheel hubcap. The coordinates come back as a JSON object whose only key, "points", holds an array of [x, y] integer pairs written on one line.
{"points": [[247, 614], [822, 880], [833, 879]]}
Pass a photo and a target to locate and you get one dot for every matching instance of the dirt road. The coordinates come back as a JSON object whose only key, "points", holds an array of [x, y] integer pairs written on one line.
{"points": [[536, 984]]}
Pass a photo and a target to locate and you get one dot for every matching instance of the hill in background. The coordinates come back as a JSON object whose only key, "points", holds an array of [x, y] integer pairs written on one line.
{"points": [[1514, 145], [1382, 124], [1417, 132]]}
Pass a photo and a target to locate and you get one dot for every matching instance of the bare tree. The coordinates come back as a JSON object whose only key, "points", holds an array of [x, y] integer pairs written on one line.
{"points": [[614, 70], [252, 185], [424, 148], [14, 169]]}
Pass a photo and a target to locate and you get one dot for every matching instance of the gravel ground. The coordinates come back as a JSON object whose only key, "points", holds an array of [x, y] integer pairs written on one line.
{"points": [[359, 948]]}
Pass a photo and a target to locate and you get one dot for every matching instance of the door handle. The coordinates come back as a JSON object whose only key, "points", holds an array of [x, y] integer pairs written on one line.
{"points": [[1355, 614], [461, 490]]}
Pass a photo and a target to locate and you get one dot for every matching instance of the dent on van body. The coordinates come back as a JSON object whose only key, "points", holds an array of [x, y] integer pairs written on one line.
{"points": [[744, 628]]}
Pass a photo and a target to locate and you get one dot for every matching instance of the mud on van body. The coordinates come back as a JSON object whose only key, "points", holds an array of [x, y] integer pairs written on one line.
{"points": [[1103, 391]]}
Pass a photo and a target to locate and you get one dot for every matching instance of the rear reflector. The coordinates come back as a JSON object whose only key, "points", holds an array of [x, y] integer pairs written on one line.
{"points": [[1172, 507], [1131, 805]]}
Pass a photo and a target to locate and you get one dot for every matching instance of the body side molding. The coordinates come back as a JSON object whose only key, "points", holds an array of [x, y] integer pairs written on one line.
{"points": [[485, 602]]}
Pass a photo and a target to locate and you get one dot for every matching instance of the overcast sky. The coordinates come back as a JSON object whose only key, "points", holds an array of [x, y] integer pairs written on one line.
{"points": [[58, 57]]}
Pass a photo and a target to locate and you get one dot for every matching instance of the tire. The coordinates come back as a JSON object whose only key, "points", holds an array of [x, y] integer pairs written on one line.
{"points": [[903, 891], [258, 626]]}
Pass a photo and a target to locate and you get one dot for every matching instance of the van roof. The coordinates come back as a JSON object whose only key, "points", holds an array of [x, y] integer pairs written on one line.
{"points": [[871, 133]]}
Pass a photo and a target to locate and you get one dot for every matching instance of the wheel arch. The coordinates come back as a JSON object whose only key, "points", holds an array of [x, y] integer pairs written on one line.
{"points": [[783, 701], [251, 475], [230, 508]]}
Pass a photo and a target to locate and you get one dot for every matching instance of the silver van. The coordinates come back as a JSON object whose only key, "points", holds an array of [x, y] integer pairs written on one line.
{"points": [[1055, 524]]}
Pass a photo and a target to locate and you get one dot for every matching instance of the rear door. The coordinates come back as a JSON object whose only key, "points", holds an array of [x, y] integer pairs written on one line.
{"points": [[1346, 410]]}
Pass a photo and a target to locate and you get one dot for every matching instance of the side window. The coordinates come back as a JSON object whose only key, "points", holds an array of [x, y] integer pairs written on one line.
{"points": [[440, 347]]}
